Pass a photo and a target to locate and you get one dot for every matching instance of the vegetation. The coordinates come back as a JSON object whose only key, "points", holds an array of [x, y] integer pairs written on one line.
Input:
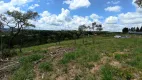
{"points": [[45, 66], [118, 59], [125, 30], [133, 29], [99, 57]]}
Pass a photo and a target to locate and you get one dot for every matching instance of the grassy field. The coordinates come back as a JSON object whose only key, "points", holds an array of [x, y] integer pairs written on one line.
{"points": [[105, 59]]}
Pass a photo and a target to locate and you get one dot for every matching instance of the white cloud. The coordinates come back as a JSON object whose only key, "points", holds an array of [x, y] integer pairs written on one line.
{"points": [[113, 9], [130, 18], [111, 20], [113, 2], [33, 6], [111, 24], [133, 3], [95, 16], [75, 4], [64, 20], [113, 27], [19, 2], [13, 5]]}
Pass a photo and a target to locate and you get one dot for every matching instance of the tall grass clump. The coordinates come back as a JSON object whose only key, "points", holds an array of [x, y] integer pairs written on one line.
{"points": [[45, 66], [25, 70]]}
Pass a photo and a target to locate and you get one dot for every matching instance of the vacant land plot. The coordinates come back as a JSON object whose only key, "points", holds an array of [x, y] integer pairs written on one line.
{"points": [[105, 59]]}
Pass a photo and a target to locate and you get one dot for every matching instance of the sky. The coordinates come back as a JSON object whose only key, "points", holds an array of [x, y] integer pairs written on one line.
{"points": [[114, 15]]}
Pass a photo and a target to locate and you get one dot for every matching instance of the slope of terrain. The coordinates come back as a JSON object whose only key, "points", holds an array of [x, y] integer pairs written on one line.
{"points": [[105, 59]]}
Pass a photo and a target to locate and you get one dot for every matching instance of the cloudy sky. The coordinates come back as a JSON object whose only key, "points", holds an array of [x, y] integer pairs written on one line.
{"points": [[69, 14]]}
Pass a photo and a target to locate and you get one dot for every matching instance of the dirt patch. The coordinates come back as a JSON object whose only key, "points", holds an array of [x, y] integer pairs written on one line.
{"points": [[6, 67], [116, 64], [62, 77], [58, 51], [55, 53], [99, 64], [95, 69], [54, 47], [119, 52]]}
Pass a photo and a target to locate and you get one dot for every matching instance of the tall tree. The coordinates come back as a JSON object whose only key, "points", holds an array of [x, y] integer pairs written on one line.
{"points": [[99, 27], [137, 29], [141, 29], [93, 25], [81, 29], [18, 20], [125, 30]]}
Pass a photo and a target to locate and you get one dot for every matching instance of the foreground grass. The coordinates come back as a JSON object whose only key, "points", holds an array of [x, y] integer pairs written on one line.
{"points": [[106, 59]]}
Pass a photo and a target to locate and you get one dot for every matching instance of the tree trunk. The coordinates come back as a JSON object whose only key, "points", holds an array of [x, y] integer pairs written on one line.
{"points": [[13, 36], [20, 49], [93, 39]]}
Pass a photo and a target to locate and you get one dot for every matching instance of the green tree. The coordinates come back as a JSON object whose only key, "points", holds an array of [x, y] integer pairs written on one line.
{"points": [[93, 25], [141, 29], [19, 21], [81, 29], [99, 27], [125, 30], [137, 29]]}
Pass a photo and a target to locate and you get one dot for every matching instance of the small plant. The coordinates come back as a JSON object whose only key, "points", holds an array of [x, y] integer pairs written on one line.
{"points": [[45, 66]]}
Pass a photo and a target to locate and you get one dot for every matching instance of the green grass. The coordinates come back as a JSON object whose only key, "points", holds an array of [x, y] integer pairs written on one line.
{"points": [[25, 70], [83, 58], [24, 73], [30, 58], [111, 73]]}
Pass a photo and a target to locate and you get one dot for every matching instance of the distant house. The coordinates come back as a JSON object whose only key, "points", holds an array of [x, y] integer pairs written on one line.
{"points": [[117, 36], [139, 33]]}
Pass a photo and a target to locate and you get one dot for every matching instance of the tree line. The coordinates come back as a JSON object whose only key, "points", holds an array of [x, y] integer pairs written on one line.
{"points": [[132, 29]]}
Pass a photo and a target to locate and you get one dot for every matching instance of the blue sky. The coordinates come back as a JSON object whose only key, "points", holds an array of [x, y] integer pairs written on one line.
{"points": [[69, 14]]}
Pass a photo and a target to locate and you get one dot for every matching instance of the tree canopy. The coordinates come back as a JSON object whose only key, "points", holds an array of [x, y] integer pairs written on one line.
{"points": [[18, 20]]}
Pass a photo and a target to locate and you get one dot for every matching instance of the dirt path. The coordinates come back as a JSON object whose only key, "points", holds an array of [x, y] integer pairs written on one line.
{"points": [[56, 53]]}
